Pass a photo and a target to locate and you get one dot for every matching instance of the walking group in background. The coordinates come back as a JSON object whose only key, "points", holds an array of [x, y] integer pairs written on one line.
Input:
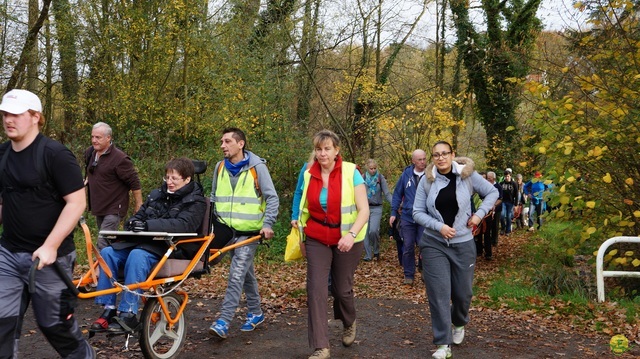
{"points": [[436, 208], [519, 206]]}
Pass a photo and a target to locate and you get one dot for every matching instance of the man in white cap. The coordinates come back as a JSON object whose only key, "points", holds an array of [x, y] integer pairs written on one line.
{"points": [[42, 200]]}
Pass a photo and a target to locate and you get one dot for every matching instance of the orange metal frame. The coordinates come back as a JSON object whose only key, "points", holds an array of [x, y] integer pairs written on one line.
{"points": [[91, 276]]}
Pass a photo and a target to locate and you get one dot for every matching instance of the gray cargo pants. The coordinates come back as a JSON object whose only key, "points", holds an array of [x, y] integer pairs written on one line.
{"points": [[53, 306]]}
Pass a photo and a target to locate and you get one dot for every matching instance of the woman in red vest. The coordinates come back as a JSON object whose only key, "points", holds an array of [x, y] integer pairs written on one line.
{"points": [[334, 214]]}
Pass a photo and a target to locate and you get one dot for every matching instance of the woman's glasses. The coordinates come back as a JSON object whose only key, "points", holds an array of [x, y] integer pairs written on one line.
{"points": [[436, 155], [173, 179]]}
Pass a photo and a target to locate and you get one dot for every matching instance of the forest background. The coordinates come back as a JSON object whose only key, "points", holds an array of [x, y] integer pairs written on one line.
{"points": [[168, 75]]}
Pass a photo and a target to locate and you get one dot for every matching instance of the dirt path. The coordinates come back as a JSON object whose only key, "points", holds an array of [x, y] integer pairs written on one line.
{"points": [[386, 329], [393, 321]]}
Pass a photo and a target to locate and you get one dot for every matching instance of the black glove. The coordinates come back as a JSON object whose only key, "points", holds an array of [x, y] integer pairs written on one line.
{"points": [[138, 225]]}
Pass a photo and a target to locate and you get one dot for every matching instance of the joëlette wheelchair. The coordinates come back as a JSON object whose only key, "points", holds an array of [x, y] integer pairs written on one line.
{"points": [[162, 329]]}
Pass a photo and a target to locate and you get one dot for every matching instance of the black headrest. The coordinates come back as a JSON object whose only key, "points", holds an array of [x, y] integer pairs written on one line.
{"points": [[201, 166]]}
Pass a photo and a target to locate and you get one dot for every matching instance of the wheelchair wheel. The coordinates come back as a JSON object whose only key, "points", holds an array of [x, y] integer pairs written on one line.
{"points": [[158, 339]]}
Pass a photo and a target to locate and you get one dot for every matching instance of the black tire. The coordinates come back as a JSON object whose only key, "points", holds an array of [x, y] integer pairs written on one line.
{"points": [[87, 288], [157, 339]]}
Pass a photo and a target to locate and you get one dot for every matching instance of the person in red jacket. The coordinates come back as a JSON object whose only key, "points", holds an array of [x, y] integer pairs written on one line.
{"points": [[334, 214]]}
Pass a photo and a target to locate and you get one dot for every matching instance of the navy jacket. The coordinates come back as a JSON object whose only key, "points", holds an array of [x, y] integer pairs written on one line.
{"points": [[404, 195]]}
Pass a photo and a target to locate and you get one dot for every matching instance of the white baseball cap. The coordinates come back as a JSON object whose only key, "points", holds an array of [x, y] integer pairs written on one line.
{"points": [[17, 102]]}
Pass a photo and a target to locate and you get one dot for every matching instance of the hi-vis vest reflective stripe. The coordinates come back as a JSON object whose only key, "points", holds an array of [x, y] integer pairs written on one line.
{"points": [[239, 207], [348, 209]]}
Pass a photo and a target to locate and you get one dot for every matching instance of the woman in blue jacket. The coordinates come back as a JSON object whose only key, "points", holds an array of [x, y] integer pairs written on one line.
{"points": [[443, 207]]}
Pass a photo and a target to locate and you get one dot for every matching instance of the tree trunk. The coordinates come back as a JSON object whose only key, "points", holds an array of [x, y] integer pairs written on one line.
{"points": [[32, 36], [309, 57], [48, 75], [66, 31], [491, 61], [32, 58]]}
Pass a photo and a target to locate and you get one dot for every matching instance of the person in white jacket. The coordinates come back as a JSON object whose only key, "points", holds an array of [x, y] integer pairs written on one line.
{"points": [[443, 206]]}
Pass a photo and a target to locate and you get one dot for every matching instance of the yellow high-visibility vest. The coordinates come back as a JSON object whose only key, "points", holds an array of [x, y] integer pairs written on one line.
{"points": [[242, 207]]}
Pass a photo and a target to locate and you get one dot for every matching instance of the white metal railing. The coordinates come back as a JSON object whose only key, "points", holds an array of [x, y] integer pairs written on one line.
{"points": [[600, 273]]}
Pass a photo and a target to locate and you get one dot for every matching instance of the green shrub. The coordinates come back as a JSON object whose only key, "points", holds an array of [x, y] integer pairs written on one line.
{"points": [[556, 266], [556, 280]]}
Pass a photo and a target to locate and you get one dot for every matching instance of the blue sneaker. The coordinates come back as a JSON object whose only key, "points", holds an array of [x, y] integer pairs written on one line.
{"points": [[220, 328], [252, 322]]}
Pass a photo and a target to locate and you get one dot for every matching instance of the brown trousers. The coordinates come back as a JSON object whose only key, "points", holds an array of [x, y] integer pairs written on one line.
{"points": [[322, 260]]}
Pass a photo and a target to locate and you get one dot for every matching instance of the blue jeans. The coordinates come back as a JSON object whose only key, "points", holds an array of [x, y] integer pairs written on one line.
{"points": [[507, 216], [372, 238], [242, 276], [537, 209], [137, 264], [411, 233]]}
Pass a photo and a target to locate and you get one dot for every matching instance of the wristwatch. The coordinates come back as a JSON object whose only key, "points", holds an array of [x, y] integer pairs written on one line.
{"points": [[353, 234]]}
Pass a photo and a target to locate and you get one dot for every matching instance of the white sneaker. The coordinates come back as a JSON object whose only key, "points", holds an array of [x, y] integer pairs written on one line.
{"points": [[458, 335], [443, 352]]}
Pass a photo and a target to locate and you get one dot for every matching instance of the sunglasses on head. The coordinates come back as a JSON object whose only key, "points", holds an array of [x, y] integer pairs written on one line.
{"points": [[93, 165]]}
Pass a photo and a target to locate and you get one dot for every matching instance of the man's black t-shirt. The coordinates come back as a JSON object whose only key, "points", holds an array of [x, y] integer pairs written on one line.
{"points": [[29, 215]]}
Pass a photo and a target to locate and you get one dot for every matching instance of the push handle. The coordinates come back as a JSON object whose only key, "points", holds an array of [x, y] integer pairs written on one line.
{"points": [[65, 278]]}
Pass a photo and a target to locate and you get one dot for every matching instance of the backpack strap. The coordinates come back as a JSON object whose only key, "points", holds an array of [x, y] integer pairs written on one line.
{"points": [[254, 173], [42, 173], [42, 170], [46, 180], [87, 160], [3, 162]]}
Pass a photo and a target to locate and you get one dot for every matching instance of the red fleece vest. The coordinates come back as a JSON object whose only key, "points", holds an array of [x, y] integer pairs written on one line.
{"points": [[328, 234]]}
